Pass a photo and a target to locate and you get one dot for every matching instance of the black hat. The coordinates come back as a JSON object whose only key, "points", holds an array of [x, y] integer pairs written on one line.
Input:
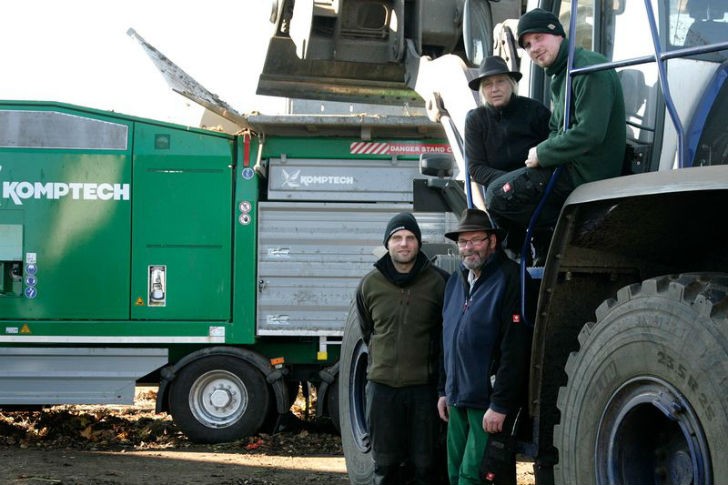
{"points": [[403, 220], [539, 20], [492, 66], [475, 220]]}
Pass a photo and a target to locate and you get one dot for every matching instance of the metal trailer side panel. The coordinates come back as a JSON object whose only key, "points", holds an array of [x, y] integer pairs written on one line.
{"points": [[311, 257], [78, 375]]}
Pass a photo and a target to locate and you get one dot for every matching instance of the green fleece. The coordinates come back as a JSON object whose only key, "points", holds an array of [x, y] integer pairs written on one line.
{"points": [[402, 324], [593, 146]]}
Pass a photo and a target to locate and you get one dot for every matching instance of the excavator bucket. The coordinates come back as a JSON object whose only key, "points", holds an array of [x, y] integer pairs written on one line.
{"points": [[354, 50], [367, 51]]}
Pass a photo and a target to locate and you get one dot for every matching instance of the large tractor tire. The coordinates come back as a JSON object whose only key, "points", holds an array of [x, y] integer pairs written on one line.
{"points": [[352, 403], [646, 395], [219, 399]]}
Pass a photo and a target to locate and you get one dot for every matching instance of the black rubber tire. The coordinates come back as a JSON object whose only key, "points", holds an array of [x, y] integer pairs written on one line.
{"points": [[352, 403], [332, 403], [243, 399], [646, 395]]}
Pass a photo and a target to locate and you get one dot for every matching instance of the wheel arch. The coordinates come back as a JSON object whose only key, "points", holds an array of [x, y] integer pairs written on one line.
{"points": [[272, 375], [612, 234], [328, 379]]}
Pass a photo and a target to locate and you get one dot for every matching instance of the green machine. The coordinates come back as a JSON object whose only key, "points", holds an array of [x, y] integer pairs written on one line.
{"points": [[219, 267]]}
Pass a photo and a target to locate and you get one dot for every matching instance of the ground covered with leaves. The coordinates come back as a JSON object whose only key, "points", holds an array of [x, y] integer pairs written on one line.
{"points": [[59, 445], [138, 427]]}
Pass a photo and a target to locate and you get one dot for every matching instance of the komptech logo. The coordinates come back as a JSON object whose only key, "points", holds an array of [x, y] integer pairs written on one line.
{"points": [[19, 190], [295, 179]]}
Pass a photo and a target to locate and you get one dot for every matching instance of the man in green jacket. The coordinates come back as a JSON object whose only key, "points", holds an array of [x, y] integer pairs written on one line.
{"points": [[400, 313], [591, 149]]}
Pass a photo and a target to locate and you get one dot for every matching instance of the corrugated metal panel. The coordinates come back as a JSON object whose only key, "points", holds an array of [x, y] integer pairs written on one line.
{"points": [[312, 256], [352, 180], [74, 375]]}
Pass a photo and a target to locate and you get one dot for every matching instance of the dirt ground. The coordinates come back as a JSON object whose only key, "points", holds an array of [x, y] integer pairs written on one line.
{"points": [[121, 445]]}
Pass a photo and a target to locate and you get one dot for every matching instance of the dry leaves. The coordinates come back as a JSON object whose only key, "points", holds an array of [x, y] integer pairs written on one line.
{"points": [[138, 427]]}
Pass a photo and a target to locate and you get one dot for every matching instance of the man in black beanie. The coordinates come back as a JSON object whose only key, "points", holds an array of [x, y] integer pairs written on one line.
{"points": [[591, 149], [400, 313]]}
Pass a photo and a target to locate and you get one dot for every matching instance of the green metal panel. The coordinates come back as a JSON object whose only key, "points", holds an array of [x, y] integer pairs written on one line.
{"points": [[245, 251], [181, 222], [69, 192]]}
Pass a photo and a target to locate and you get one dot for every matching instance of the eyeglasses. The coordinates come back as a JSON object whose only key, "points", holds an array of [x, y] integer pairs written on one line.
{"points": [[462, 243]]}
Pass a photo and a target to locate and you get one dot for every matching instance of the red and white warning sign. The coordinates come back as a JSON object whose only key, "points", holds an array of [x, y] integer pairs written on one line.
{"points": [[387, 148]]}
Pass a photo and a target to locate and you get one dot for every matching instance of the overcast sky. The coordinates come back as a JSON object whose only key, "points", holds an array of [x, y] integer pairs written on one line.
{"points": [[77, 51]]}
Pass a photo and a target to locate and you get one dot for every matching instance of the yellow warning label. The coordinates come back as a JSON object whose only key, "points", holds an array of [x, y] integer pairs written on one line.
{"points": [[25, 328], [139, 301], [322, 355]]}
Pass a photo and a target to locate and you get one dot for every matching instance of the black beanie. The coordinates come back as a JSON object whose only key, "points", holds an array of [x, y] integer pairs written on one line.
{"points": [[539, 20], [403, 220]]}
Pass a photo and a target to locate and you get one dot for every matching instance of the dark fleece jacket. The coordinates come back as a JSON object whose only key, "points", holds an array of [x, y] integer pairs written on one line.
{"points": [[484, 335]]}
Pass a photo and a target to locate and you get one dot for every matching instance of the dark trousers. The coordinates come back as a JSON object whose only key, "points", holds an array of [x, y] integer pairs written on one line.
{"points": [[512, 198], [403, 426]]}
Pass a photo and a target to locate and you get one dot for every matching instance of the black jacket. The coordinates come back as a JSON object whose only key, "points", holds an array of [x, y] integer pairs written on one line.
{"points": [[497, 140]]}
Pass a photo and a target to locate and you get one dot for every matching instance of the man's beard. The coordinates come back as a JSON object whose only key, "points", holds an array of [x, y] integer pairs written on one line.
{"points": [[473, 264], [404, 260]]}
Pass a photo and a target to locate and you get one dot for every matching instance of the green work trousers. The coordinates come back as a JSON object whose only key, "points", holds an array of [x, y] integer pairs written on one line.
{"points": [[466, 443]]}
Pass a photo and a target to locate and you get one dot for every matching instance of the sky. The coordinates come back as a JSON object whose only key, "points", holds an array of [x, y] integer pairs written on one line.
{"points": [[78, 52]]}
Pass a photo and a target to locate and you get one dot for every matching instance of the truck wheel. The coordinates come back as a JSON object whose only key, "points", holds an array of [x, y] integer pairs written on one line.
{"points": [[645, 399], [352, 403], [332, 403], [219, 399]]}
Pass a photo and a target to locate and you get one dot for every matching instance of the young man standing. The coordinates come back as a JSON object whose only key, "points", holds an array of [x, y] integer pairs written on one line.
{"points": [[400, 313]]}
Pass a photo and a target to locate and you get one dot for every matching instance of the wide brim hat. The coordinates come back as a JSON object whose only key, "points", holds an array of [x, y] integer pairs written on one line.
{"points": [[473, 220], [492, 66]]}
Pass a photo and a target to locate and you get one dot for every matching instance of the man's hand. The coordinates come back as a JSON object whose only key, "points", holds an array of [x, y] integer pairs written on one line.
{"points": [[442, 408], [493, 421], [532, 160]]}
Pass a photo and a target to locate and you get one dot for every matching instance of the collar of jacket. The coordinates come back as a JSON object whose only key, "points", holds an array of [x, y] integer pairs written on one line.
{"points": [[509, 108], [562, 57], [386, 267]]}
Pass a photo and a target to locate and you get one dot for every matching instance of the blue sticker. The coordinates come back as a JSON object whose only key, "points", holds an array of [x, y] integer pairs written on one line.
{"points": [[31, 281], [248, 173], [31, 292], [31, 269]]}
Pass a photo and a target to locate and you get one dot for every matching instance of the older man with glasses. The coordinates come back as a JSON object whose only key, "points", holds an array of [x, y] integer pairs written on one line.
{"points": [[486, 348]]}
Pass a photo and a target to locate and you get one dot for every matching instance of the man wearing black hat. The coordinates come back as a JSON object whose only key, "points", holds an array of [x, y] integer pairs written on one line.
{"points": [[400, 313], [484, 338], [591, 149], [499, 133]]}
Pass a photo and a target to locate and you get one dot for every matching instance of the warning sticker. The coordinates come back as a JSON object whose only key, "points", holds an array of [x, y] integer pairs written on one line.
{"points": [[387, 148], [25, 329]]}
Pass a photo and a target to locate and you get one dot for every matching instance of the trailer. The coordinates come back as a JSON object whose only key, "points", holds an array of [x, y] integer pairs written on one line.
{"points": [[218, 267]]}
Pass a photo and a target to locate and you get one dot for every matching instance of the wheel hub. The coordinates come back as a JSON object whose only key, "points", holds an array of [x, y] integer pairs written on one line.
{"points": [[649, 433], [221, 398], [218, 399]]}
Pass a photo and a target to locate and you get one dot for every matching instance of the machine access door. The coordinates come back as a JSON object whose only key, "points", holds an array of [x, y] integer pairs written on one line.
{"points": [[181, 229]]}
